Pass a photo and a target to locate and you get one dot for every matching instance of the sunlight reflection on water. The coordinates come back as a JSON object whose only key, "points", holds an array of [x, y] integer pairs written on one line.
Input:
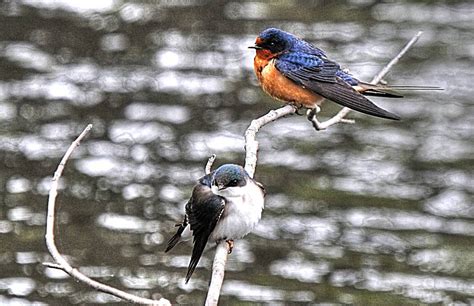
{"points": [[378, 207], [18, 286]]}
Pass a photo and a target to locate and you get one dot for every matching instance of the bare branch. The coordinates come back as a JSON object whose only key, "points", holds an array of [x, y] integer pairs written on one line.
{"points": [[61, 263], [53, 266], [251, 148], [340, 116], [395, 60], [251, 144], [218, 270], [209, 164]]}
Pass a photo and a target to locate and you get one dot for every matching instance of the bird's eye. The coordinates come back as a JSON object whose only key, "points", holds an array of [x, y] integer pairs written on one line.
{"points": [[272, 43], [234, 182]]}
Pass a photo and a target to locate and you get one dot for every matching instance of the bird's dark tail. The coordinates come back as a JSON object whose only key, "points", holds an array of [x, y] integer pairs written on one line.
{"points": [[200, 242], [176, 237], [389, 91], [345, 95]]}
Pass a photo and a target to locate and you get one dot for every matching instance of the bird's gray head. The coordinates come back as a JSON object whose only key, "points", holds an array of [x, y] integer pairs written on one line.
{"points": [[229, 175], [274, 40]]}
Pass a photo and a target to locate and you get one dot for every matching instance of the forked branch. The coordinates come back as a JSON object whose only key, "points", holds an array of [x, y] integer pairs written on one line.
{"points": [[340, 116], [251, 149]]}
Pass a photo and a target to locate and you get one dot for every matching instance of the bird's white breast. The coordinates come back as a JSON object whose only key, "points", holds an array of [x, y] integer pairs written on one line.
{"points": [[241, 213]]}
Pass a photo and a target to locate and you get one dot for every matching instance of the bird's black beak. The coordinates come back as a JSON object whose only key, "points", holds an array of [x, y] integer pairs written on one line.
{"points": [[219, 186], [255, 47]]}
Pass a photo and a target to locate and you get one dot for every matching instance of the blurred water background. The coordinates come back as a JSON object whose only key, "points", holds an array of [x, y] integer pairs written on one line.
{"points": [[376, 213]]}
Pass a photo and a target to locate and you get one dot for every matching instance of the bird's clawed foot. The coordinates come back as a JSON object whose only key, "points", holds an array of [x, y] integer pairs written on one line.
{"points": [[297, 107], [319, 126], [230, 245], [311, 115]]}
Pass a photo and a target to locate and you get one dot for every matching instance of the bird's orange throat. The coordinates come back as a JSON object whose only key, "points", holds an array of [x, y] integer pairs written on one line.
{"points": [[265, 54], [261, 60]]}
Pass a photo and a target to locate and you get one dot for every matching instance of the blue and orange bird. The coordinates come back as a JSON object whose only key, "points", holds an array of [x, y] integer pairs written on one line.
{"points": [[294, 71]]}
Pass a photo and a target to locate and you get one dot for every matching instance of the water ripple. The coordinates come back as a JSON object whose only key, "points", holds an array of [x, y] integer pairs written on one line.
{"points": [[126, 223]]}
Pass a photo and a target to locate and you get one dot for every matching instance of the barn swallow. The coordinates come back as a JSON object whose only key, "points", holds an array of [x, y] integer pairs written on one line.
{"points": [[225, 204], [294, 71]]}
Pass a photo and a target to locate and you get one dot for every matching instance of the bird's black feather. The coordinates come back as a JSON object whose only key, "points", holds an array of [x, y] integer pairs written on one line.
{"points": [[176, 237], [203, 210], [319, 74], [338, 91]]}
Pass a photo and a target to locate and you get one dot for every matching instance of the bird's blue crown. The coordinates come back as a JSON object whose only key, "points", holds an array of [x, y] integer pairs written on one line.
{"points": [[277, 40], [274, 33], [230, 175], [231, 170]]}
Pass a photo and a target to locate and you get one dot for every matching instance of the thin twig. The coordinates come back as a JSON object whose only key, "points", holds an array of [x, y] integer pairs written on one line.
{"points": [[395, 60], [218, 270], [251, 144], [61, 263], [209, 164], [53, 266], [340, 116]]}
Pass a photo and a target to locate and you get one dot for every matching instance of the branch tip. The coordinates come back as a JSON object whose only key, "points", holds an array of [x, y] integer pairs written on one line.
{"points": [[339, 117], [209, 164]]}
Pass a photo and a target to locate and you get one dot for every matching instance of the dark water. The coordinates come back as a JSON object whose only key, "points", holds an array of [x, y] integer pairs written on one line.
{"points": [[377, 213]]}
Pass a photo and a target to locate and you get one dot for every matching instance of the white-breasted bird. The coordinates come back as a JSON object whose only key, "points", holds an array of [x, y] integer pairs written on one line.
{"points": [[226, 204]]}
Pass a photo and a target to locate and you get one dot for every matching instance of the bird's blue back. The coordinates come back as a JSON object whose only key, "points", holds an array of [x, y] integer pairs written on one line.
{"points": [[303, 55]]}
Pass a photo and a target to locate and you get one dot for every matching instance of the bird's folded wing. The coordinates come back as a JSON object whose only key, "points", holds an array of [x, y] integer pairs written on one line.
{"points": [[203, 210], [307, 66], [345, 95], [322, 80], [177, 237]]}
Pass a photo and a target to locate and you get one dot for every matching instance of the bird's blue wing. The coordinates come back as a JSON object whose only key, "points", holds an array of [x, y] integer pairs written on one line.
{"points": [[305, 47], [203, 211], [307, 66], [325, 78], [347, 77]]}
